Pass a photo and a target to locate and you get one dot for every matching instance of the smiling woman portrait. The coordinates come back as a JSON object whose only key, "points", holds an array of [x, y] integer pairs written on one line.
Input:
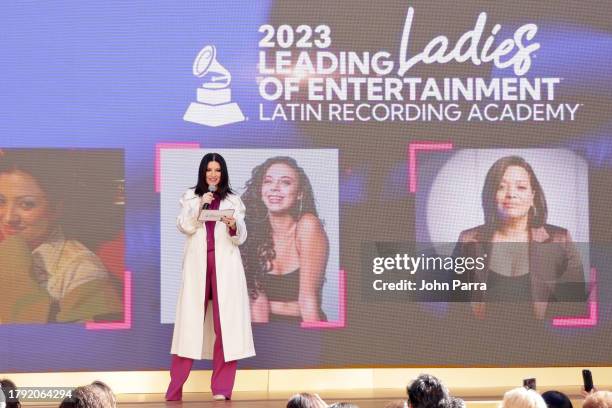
{"points": [[287, 251], [46, 275], [526, 259]]}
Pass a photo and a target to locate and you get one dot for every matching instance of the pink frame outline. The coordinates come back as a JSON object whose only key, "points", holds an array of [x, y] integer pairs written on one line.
{"points": [[127, 309], [337, 324], [341, 322], [169, 145], [413, 148], [593, 316], [560, 321]]}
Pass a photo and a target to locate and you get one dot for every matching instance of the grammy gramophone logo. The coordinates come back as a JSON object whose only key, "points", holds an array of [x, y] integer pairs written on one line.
{"points": [[214, 106]]}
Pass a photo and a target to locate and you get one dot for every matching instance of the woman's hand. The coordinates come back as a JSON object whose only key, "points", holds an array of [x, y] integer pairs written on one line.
{"points": [[19, 286], [585, 393], [229, 221], [206, 199]]}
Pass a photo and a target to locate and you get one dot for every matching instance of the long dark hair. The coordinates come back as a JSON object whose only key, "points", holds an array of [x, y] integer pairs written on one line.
{"points": [[223, 189], [258, 251], [8, 388], [537, 215]]}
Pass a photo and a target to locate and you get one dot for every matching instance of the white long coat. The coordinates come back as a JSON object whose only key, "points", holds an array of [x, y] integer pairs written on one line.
{"points": [[194, 334]]}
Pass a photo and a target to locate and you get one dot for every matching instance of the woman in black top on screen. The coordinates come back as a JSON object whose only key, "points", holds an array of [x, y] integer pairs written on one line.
{"points": [[286, 252], [527, 259]]}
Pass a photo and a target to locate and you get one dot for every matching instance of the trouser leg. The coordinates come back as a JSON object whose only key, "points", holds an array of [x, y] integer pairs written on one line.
{"points": [[181, 366], [224, 373], [179, 372]]}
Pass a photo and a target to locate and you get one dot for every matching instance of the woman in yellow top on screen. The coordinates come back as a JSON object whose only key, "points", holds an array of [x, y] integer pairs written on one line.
{"points": [[525, 258], [286, 252], [45, 276]]}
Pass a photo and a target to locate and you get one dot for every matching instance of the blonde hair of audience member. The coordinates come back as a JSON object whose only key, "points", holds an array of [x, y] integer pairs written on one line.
{"points": [[90, 396], [455, 402], [521, 397], [108, 393], [598, 399], [306, 400]]}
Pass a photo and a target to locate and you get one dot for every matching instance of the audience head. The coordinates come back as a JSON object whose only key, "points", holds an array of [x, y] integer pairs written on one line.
{"points": [[69, 402], [426, 391], [87, 396], [306, 400], [522, 397], [343, 405], [556, 399], [6, 386], [454, 402], [599, 399], [111, 400]]}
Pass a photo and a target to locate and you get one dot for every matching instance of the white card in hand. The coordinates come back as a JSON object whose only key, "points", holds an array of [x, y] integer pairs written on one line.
{"points": [[215, 215]]}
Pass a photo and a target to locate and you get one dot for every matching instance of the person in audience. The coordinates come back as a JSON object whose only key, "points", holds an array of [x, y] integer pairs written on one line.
{"points": [[87, 396], [426, 391], [454, 402], [109, 395], [306, 400], [522, 397], [598, 399], [7, 386], [69, 402], [343, 405], [556, 399]]}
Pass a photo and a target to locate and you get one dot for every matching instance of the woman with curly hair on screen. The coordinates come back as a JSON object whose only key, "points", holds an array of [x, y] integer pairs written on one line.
{"points": [[286, 253]]}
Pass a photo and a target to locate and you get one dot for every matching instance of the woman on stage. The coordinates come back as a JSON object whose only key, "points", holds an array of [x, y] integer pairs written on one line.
{"points": [[212, 315]]}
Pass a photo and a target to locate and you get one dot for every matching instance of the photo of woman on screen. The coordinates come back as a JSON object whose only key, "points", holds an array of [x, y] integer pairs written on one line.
{"points": [[527, 259], [287, 250], [47, 277]]}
